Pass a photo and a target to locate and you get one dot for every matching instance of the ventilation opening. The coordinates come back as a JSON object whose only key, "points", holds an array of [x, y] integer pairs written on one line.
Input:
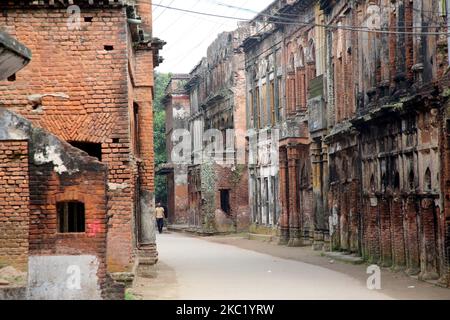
{"points": [[116, 140], [88, 19], [108, 48], [225, 201], [71, 217], [92, 149], [12, 78]]}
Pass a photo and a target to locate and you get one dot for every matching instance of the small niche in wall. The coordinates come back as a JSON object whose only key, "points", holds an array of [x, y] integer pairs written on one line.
{"points": [[88, 19], [108, 47]]}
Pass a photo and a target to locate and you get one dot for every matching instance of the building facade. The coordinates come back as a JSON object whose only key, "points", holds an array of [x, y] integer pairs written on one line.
{"points": [[90, 84], [217, 175], [357, 93], [265, 108]]}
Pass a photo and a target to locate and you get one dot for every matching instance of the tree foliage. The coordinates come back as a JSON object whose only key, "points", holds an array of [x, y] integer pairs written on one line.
{"points": [[159, 127]]}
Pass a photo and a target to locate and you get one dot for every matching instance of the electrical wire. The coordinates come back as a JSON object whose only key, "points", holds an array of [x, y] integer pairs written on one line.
{"points": [[182, 59], [164, 9], [344, 27]]}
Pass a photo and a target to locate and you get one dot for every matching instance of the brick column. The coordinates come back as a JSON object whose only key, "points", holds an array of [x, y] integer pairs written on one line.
{"points": [[429, 247], [284, 219], [398, 238], [412, 241], [385, 225], [294, 219], [146, 175], [373, 231], [354, 217]]}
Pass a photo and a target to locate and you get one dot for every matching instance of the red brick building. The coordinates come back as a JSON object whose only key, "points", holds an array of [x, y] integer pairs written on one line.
{"points": [[90, 83], [363, 128], [53, 206], [385, 143], [217, 175]]}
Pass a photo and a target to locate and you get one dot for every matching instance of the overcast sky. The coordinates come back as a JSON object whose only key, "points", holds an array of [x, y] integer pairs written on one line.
{"points": [[189, 35]]}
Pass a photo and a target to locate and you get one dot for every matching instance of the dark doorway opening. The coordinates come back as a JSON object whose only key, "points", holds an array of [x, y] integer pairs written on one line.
{"points": [[225, 201]]}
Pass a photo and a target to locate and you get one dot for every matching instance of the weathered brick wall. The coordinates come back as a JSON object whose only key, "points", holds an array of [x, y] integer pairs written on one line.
{"points": [[48, 171], [78, 87], [236, 181], [47, 189], [14, 204]]}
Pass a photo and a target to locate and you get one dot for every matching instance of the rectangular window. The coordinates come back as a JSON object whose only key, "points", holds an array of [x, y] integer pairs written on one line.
{"points": [[272, 102], [280, 95], [71, 217], [291, 94], [251, 107], [225, 201], [257, 109], [264, 105]]}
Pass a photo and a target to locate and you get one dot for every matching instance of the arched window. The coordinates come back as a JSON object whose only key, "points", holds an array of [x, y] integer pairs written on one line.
{"points": [[373, 186], [311, 72], [71, 217], [311, 51], [301, 57], [396, 180], [291, 63], [291, 85], [427, 180]]}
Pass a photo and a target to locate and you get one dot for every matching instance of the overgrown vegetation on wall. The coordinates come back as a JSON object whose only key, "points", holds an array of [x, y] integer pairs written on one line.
{"points": [[161, 81]]}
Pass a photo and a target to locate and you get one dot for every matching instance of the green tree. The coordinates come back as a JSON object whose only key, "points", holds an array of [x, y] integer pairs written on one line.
{"points": [[159, 128]]}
